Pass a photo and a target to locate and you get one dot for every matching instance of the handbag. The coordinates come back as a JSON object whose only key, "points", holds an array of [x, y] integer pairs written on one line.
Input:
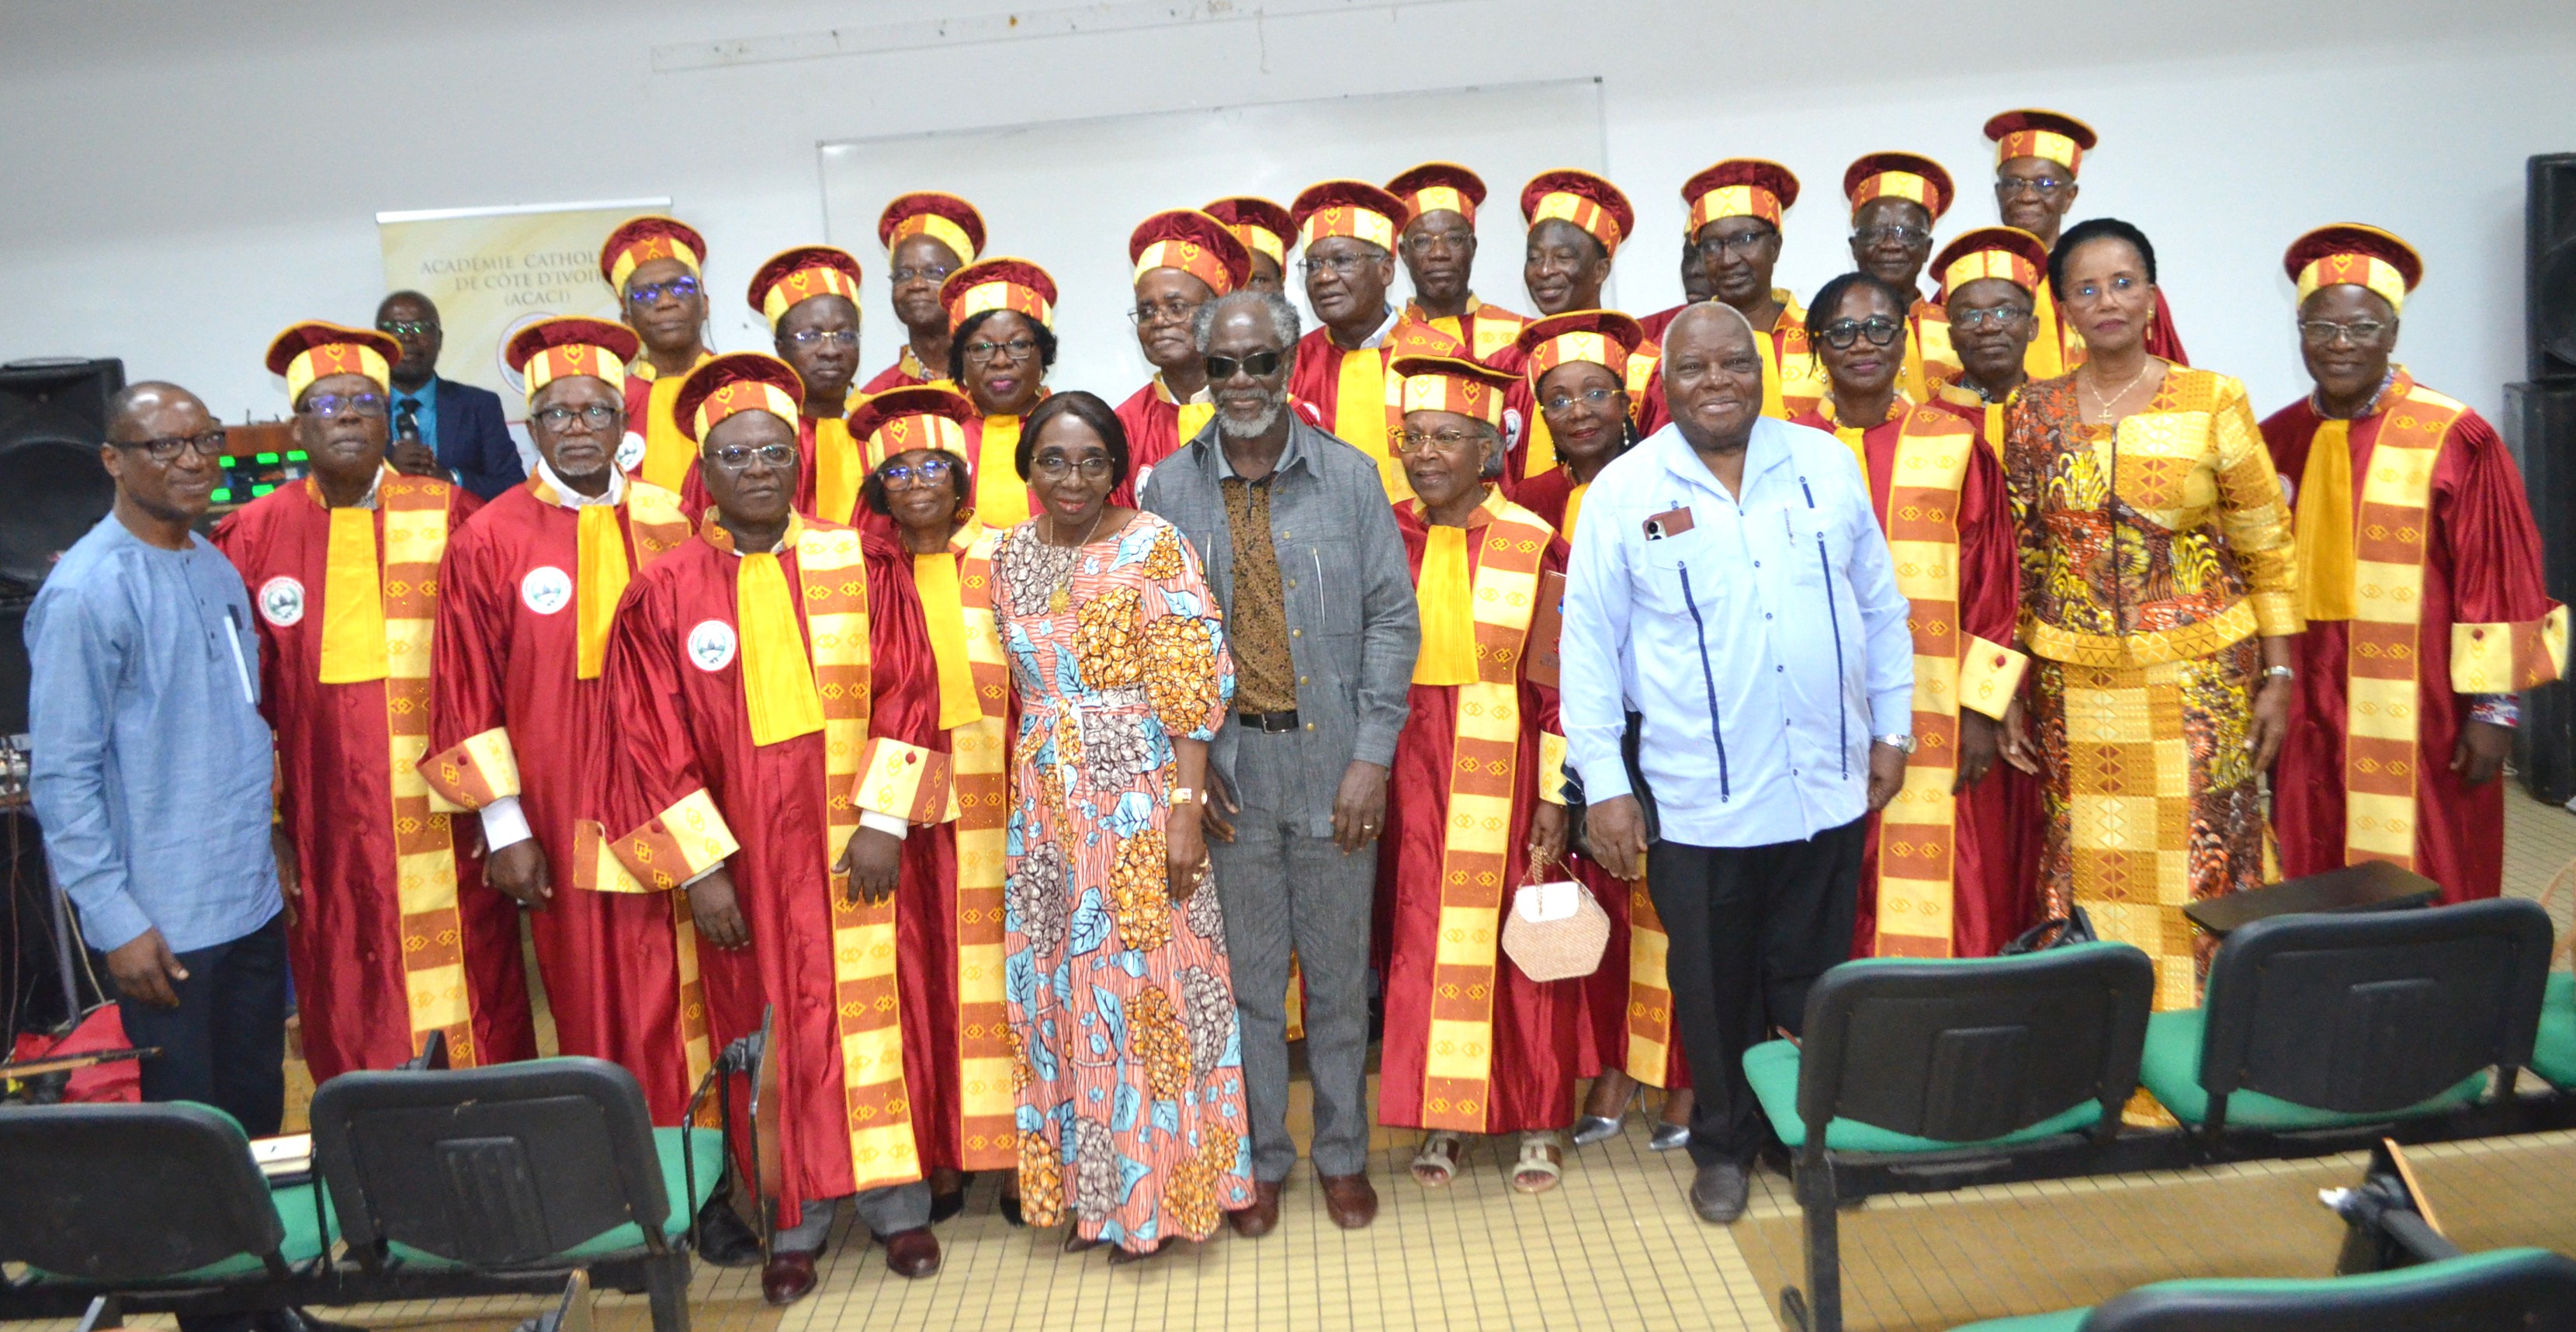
{"points": [[2059, 932], [1575, 806], [1555, 931]]}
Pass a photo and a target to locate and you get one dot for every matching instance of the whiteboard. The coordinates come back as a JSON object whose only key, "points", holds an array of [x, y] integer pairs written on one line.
{"points": [[1066, 194]]}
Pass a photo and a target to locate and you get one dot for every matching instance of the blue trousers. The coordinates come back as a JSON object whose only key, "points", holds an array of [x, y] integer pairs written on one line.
{"points": [[225, 1044]]}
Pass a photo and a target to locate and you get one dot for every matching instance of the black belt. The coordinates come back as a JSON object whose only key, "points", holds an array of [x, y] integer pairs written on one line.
{"points": [[1269, 723]]}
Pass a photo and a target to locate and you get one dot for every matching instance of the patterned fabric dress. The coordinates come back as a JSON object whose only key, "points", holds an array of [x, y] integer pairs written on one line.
{"points": [[1123, 1036], [2153, 553]]}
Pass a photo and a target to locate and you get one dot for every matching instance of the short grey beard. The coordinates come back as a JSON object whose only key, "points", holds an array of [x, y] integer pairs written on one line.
{"points": [[1232, 429]]}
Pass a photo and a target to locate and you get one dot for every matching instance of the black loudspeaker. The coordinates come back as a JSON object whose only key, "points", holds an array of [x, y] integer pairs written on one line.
{"points": [[2549, 292], [53, 417], [2540, 428]]}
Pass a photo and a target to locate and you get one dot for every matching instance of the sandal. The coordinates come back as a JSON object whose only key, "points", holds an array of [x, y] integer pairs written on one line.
{"points": [[1542, 1163], [1435, 1163]]}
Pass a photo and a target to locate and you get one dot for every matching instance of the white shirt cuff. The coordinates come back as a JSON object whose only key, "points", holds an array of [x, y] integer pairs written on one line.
{"points": [[692, 880], [884, 823], [503, 824]]}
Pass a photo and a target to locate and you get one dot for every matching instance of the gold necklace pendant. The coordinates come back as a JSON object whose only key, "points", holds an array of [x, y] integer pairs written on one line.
{"points": [[1060, 600]]}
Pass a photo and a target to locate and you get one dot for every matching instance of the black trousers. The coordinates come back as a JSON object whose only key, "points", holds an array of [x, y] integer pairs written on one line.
{"points": [[225, 1044], [1751, 927]]}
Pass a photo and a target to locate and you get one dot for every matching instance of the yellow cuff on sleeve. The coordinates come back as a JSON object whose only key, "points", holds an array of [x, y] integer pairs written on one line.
{"points": [[473, 774], [906, 781], [678, 844], [1989, 675], [1551, 768], [2508, 657], [2276, 614]]}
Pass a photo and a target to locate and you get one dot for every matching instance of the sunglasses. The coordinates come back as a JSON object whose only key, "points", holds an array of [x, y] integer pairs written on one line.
{"points": [[1259, 365]]}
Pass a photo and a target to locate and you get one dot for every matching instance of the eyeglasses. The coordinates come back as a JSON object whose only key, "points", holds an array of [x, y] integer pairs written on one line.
{"points": [[1718, 247], [925, 472], [1343, 265], [2094, 291], [1169, 311], [2044, 186], [1896, 233], [2000, 317], [343, 404], [597, 416], [1594, 396], [825, 337], [408, 328], [2326, 332], [1259, 365], [925, 273], [735, 457], [168, 447], [679, 288], [1842, 333], [1425, 240], [1055, 466], [1016, 349], [1414, 441]]}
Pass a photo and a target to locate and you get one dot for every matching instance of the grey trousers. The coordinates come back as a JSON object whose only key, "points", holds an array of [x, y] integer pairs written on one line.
{"points": [[887, 1211], [1285, 891]]}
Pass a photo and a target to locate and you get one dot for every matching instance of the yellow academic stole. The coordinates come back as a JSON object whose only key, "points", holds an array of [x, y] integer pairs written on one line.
{"points": [[2383, 561], [979, 759], [1792, 383], [1001, 497], [1368, 408], [1930, 361], [839, 471], [604, 566], [1457, 1070]]}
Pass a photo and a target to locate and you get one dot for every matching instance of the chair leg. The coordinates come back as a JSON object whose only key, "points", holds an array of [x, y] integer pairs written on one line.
{"points": [[1817, 1207], [666, 1284], [103, 1312]]}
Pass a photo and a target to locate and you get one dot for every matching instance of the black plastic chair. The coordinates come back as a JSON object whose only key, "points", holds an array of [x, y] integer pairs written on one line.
{"points": [[2323, 1033], [2528, 1290], [508, 1178], [153, 1206], [1927, 1076]]}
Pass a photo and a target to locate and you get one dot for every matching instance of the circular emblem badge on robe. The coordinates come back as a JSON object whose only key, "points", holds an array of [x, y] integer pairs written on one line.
{"points": [[630, 452], [546, 589], [711, 646], [281, 601]]}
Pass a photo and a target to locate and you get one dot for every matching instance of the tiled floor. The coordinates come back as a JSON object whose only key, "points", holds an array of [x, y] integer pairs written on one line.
{"points": [[1615, 1246]]}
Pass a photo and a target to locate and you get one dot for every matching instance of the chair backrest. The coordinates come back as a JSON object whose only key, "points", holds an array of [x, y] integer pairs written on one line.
{"points": [[1962, 1051], [126, 1193], [2530, 1290], [2359, 1014], [491, 1167]]}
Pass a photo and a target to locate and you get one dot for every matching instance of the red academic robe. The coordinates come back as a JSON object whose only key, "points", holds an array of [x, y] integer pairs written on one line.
{"points": [[1994, 883], [1319, 379], [1157, 426], [1483, 330], [1656, 323], [383, 953], [906, 372], [510, 715], [668, 459], [2481, 590], [1537, 1026], [684, 739]]}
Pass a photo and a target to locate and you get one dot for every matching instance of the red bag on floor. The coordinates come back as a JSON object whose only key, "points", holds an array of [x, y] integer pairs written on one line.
{"points": [[103, 1029]]}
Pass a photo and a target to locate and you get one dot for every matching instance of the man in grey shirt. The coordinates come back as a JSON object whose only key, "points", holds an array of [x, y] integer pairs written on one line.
{"points": [[151, 768], [1302, 553]]}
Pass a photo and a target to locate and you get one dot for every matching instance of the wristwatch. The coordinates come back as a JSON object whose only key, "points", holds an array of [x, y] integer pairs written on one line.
{"points": [[1182, 795], [2280, 673], [1900, 742]]}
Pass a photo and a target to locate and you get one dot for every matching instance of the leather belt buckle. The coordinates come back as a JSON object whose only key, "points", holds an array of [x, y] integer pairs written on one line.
{"points": [[1269, 723]]}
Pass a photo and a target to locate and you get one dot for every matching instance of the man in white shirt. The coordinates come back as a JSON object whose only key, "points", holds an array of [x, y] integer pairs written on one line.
{"points": [[1731, 589]]}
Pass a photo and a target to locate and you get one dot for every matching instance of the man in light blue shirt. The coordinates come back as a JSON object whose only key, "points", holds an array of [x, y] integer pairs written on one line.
{"points": [[1731, 590], [151, 768]]}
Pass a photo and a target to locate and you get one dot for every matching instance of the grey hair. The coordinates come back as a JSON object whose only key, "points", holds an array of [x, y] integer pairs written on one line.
{"points": [[1283, 317], [1737, 315]]}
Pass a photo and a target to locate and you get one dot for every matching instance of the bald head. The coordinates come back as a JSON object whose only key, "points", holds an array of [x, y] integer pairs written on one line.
{"points": [[135, 410], [1705, 314], [1713, 376], [158, 497]]}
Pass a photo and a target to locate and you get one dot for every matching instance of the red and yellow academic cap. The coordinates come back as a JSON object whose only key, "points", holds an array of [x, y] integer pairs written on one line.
{"points": [[1193, 243], [316, 350], [1453, 384], [2010, 253], [1584, 199], [1606, 338], [951, 221], [1899, 176], [2351, 253], [1264, 227], [1739, 187], [1437, 186], [732, 384], [1352, 208], [917, 416], [999, 284], [2051, 136], [552, 349], [793, 275], [647, 238]]}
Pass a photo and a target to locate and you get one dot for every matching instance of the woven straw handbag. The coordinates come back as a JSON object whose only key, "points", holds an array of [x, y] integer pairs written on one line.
{"points": [[1555, 931]]}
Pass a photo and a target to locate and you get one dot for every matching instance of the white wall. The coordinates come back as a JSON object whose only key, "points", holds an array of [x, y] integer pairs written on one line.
{"points": [[185, 179]]}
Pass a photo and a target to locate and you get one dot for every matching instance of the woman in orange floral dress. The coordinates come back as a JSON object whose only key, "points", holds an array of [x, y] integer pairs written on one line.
{"points": [[1124, 1045]]}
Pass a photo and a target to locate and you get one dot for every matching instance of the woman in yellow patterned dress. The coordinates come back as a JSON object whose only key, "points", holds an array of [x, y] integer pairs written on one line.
{"points": [[1123, 1031], [2157, 597]]}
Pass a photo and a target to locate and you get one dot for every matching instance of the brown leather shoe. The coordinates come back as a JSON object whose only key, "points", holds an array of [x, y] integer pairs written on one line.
{"points": [[787, 1277], [912, 1253], [1350, 1200], [1257, 1220]]}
